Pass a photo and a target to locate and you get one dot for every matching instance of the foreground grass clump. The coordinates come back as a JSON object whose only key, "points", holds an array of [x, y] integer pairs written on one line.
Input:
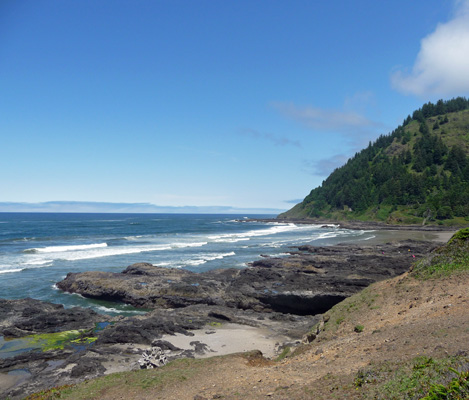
{"points": [[452, 257], [285, 353], [422, 378], [50, 394], [457, 389]]}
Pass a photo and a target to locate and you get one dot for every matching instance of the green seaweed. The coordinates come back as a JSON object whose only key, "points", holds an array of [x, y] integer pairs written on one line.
{"points": [[58, 340]]}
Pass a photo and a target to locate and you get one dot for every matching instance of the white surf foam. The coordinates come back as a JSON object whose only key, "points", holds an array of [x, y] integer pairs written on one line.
{"points": [[115, 310], [133, 238], [182, 245], [204, 258], [368, 238], [104, 251], [328, 235], [7, 271], [56, 249], [234, 237], [38, 262]]}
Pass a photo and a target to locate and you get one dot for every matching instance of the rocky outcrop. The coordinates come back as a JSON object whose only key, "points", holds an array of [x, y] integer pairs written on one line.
{"points": [[28, 316], [308, 282], [146, 286]]}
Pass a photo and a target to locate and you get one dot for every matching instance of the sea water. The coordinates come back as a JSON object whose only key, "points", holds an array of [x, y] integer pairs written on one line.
{"points": [[38, 249]]}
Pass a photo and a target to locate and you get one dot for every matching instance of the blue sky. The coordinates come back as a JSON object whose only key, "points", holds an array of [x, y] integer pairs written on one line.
{"points": [[249, 104]]}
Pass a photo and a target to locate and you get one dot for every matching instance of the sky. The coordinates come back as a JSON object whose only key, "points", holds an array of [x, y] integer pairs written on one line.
{"points": [[233, 103]]}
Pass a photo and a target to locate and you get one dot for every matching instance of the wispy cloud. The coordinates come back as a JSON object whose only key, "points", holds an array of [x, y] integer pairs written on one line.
{"points": [[349, 122], [442, 64], [320, 119], [277, 140], [324, 166], [294, 201]]}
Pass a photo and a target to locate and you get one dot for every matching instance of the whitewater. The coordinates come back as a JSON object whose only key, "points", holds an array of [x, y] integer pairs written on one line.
{"points": [[39, 249]]}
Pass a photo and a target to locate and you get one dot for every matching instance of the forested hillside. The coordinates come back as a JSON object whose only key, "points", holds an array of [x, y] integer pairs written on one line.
{"points": [[419, 173]]}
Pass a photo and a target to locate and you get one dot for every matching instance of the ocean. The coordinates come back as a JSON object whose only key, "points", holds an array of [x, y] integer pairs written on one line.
{"points": [[39, 249]]}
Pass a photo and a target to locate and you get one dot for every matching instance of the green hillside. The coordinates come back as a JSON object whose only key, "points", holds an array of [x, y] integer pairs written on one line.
{"points": [[417, 174]]}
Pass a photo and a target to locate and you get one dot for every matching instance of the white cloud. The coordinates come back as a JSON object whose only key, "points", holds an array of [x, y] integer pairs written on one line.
{"points": [[442, 64]]}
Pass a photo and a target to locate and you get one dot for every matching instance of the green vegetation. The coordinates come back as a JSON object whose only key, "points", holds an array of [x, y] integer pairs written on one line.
{"points": [[50, 394], [449, 259], [359, 328], [350, 311], [460, 236], [457, 388], [51, 341], [285, 352], [417, 174], [421, 378], [58, 340]]}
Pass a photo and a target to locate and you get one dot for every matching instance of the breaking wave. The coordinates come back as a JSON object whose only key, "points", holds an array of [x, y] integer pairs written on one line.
{"points": [[56, 249]]}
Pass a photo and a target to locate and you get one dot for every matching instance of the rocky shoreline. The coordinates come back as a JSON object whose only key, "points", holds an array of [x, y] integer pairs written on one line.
{"points": [[357, 225], [282, 297]]}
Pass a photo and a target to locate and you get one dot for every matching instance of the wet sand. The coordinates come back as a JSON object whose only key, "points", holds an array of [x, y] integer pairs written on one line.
{"points": [[385, 236]]}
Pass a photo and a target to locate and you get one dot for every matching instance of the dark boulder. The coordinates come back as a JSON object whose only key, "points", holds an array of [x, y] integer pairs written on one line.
{"points": [[28, 316]]}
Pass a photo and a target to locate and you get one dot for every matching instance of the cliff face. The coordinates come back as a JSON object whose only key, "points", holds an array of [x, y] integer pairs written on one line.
{"points": [[419, 173]]}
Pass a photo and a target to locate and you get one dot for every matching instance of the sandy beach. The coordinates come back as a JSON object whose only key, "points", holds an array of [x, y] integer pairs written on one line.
{"points": [[229, 338]]}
